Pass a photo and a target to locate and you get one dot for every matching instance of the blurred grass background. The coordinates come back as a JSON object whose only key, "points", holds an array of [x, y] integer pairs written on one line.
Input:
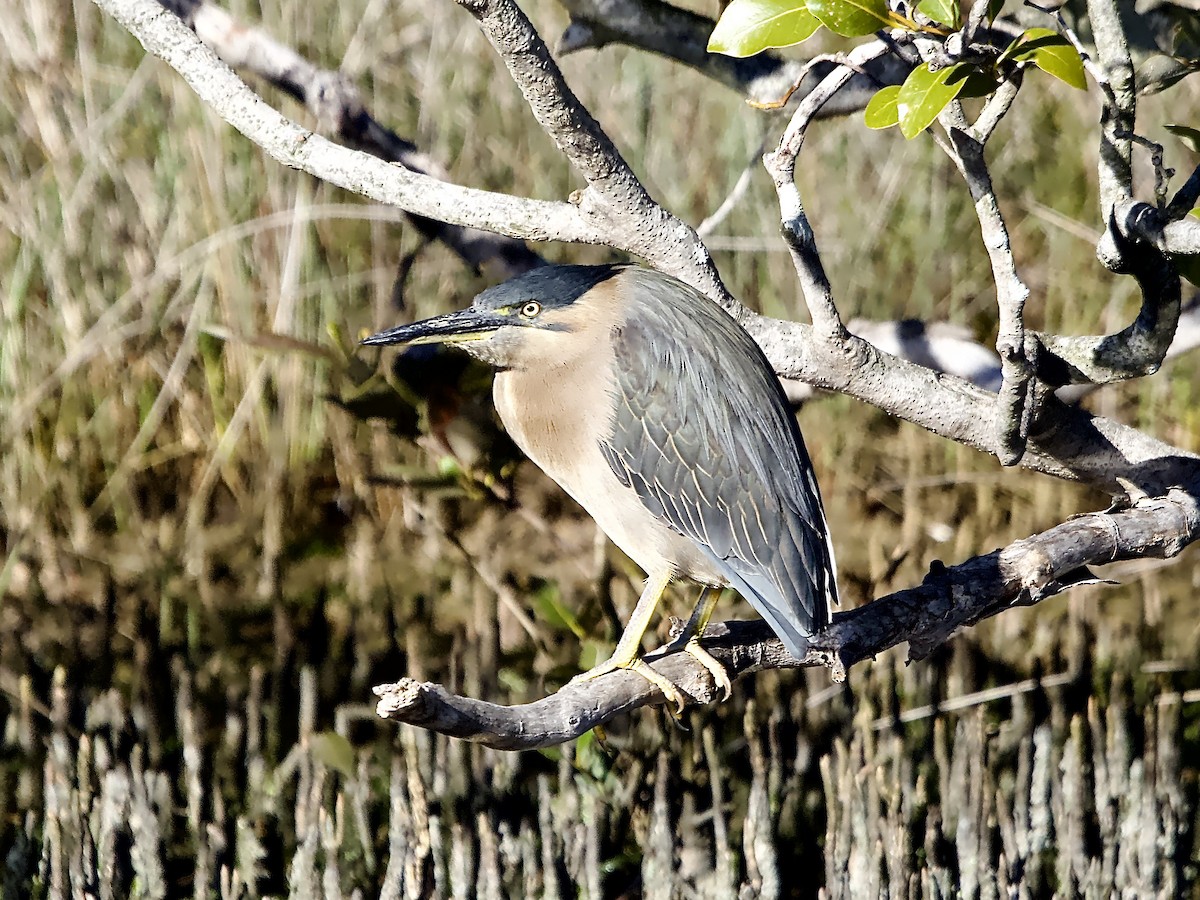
{"points": [[213, 510]]}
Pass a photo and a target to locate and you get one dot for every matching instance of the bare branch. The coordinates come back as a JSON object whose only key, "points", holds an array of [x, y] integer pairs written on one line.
{"points": [[781, 164], [1182, 238], [164, 35], [338, 106], [1115, 70], [1184, 201], [1014, 407], [1024, 573], [740, 187], [996, 108], [1063, 441]]}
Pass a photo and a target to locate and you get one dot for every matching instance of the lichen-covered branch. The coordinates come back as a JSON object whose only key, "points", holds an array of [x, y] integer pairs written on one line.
{"points": [[1023, 573], [1117, 113], [797, 232], [1014, 406]]}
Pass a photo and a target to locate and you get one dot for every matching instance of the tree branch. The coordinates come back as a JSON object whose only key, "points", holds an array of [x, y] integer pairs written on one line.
{"points": [[1183, 202], [1182, 238], [338, 106], [164, 35], [1139, 348], [1021, 574], [1117, 113], [1015, 402], [797, 232], [615, 200], [681, 35]]}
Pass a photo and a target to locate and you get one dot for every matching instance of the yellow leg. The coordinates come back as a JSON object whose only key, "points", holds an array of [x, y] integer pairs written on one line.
{"points": [[628, 652], [689, 640]]}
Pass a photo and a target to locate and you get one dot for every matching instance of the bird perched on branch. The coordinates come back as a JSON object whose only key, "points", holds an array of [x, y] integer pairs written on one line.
{"points": [[660, 415]]}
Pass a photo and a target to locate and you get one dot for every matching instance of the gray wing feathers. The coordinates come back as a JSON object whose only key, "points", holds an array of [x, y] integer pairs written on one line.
{"points": [[703, 433]]}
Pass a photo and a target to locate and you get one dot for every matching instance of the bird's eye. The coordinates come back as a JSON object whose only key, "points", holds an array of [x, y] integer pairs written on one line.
{"points": [[531, 309]]}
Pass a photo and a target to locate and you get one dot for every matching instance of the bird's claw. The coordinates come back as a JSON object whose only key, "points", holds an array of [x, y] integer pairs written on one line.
{"points": [[719, 676], [669, 690]]}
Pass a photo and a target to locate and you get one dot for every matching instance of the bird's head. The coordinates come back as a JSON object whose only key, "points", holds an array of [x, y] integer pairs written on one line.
{"points": [[545, 317]]}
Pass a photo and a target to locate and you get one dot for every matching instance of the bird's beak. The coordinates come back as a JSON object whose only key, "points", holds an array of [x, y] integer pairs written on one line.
{"points": [[452, 328]]}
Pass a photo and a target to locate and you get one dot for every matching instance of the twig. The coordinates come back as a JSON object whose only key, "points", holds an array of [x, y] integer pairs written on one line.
{"points": [[976, 698], [1162, 175], [997, 108], [1185, 198], [1024, 573], [710, 223], [781, 164]]}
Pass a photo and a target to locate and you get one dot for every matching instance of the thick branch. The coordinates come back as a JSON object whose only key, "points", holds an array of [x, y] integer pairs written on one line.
{"points": [[338, 106], [1024, 573], [1182, 238], [1063, 441], [1119, 106]]}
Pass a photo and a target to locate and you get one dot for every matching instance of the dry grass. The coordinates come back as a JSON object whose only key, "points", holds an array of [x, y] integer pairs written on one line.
{"points": [[182, 503]]}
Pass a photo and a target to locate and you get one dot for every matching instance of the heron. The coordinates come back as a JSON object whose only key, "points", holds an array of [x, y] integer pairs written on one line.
{"points": [[655, 410]]}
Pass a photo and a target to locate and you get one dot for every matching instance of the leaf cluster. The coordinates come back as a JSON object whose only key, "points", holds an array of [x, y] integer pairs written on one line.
{"points": [[748, 27]]}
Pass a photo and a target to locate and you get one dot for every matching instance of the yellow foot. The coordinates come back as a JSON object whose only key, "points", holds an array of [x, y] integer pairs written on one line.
{"points": [[664, 684], [719, 676]]}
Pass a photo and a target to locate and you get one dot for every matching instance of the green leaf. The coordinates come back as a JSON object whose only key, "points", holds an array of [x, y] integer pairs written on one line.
{"points": [[1190, 137], [1050, 52], [851, 18], [944, 12], [1189, 267], [978, 84], [994, 7], [882, 112], [926, 93], [752, 26], [1158, 71], [333, 751]]}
